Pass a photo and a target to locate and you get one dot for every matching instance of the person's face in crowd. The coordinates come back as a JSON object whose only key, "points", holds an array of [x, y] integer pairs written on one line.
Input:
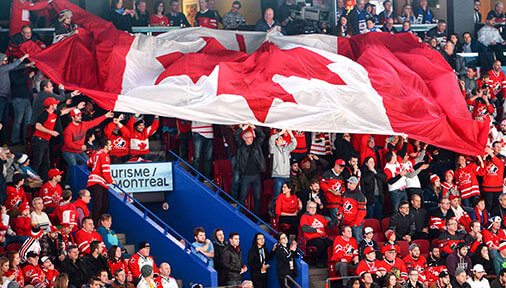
{"points": [[67, 20], [57, 178], [360, 4], [141, 6], [454, 39], [370, 163], [445, 280], [248, 138], [455, 202], [95, 284], [343, 21], [437, 183], [497, 148], [449, 48], [145, 251], [501, 277], [269, 15], [21, 182], [406, 25], [347, 137], [311, 209], [392, 281], [463, 251], [73, 254], [104, 277], [499, 7], [87, 198], [211, 4], [121, 277], [502, 201], [280, 141], [491, 22], [467, 38], [107, 222], [119, 4], [235, 241], [295, 167], [416, 202], [340, 4], [353, 161], [367, 277], [369, 235], [347, 232], [371, 256], [480, 205], [160, 7], [47, 264], [16, 260], [477, 5], [461, 277], [283, 239], [452, 226], [470, 73], [496, 225], [88, 225], [315, 187], [371, 143], [118, 253], [368, 10], [78, 118], [407, 11], [5, 267], [484, 252], [38, 205], [338, 168], [235, 8], [356, 283], [140, 127], [497, 66], [441, 27], [27, 33], [404, 209], [220, 236], [203, 5], [445, 204], [415, 253], [388, 6], [174, 7], [436, 254], [433, 43], [476, 227], [285, 189], [352, 186], [201, 237], [423, 3], [260, 240], [108, 147], [164, 270], [479, 275], [413, 276], [461, 161], [5, 61]]}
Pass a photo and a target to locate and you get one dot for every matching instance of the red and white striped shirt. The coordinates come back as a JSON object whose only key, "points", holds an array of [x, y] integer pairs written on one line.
{"points": [[204, 129]]}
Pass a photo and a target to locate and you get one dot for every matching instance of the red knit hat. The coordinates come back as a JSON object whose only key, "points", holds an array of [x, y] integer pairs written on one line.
{"points": [[450, 172], [389, 233], [434, 178]]}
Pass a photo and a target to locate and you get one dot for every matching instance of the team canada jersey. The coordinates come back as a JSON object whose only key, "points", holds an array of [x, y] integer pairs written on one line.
{"points": [[137, 261], [206, 19], [413, 182], [437, 221], [344, 249], [51, 275], [100, 174], [16, 198], [447, 241], [493, 175], [51, 195], [480, 109], [336, 183], [314, 221], [397, 263], [120, 142], [353, 207], [68, 209], [20, 277], [34, 276], [321, 143], [493, 239], [432, 272], [121, 264], [419, 265], [467, 182], [497, 82], [392, 170], [139, 141], [301, 147], [84, 240], [369, 266]]}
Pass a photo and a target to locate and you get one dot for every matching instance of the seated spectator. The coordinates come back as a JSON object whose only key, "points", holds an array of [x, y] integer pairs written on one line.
{"points": [[120, 139], [72, 266], [345, 252], [367, 280], [164, 279], [469, 84], [443, 280], [482, 109], [498, 12], [413, 279], [108, 235], [81, 205], [490, 36], [370, 264], [391, 261], [314, 194], [22, 224], [139, 137], [499, 282], [313, 166], [424, 14], [313, 229], [15, 268], [479, 213], [463, 219], [407, 14], [439, 216], [439, 32], [474, 238], [406, 27], [478, 280], [204, 246], [176, 18], [403, 223], [66, 27], [367, 241], [52, 246], [120, 280], [232, 260], [482, 256], [286, 254], [49, 271], [459, 259], [116, 262], [387, 13], [280, 151], [258, 260], [390, 242], [432, 42], [65, 209], [86, 235], [205, 17], [388, 27], [268, 23], [288, 207], [33, 273], [391, 280], [121, 18], [460, 279], [32, 180], [93, 261], [141, 15], [158, 17], [497, 81], [500, 210], [450, 238], [420, 216], [103, 275], [415, 261], [373, 184], [435, 264], [25, 35], [142, 257], [16, 197], [449, 186], [51, 190], [371, 26], [494, 234], [233, 19]]}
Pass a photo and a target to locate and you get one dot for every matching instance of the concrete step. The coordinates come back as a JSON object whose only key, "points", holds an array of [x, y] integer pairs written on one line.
{"points": [[130, 248], [316, 284], [317, 277], [121, 238]]}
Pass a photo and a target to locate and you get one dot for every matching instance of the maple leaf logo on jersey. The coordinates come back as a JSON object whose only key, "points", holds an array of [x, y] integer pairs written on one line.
{"points": [[142, 145], [347, 249], [465, 178], [347, 206], [337, 186], [119, 142], [492, 169], [316, 224]]}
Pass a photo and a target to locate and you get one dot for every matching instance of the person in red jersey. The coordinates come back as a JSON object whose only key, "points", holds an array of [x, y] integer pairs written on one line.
{"points": [[100, 178], [16, 197], [416, 261], [81, 205], [164, 280], [390, 261], [332, 184], [345, 252], [354, 207], [65, 205], [51, 191], [494, 234], [20, 13], [370, 264], [450, 238], [139, 137], [465, 177], [117, 262], [288, 206], [33, 273], [86, 235], [120, 139], [15, 268], [493, 177], [140, 259]]}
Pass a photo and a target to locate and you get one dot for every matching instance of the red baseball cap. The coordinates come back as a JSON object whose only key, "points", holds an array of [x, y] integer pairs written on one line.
{"points": [[75, 112], [340, 162], [53, 172], [368, 250], [50, 101]]}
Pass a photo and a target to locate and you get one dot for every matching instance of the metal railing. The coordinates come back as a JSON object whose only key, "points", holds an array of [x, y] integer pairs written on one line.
{"points": [[290, 279], [414, 27], [153, 29], [36, 30]]}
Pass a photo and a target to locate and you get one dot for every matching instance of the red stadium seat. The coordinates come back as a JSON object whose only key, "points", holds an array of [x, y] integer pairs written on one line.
{"points": [[384, 224], [223, 174], [310, 252], [375, 224], [404, 247], [424, 245]]}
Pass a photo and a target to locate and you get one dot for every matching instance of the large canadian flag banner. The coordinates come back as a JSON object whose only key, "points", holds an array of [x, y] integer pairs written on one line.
{"points": [[376, 83]]}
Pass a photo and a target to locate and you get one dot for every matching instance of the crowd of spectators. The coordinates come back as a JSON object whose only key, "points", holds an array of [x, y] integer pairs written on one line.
{"points": [[320, 187]]}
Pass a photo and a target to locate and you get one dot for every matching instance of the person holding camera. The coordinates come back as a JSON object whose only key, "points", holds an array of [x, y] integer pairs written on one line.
{"points": [[286, 15]]}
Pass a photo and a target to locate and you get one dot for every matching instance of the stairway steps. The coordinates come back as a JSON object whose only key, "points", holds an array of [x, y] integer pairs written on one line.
{"points": [[130, 248], [121, 238]]}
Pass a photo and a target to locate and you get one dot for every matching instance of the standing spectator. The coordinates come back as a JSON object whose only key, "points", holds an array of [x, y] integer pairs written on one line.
{"points": [[439, 32], [455, 61], [403, 223], [280, 151], [100, 178], [232, 260], [120, 139], [141, 259], [373, 183], [141, 16], [498, 12], [389, 26], [233, 19], [72, 266], [424, 14], [465, 178], [387, 13], [219, 244], [121, 18], [286, 256], [74, 136], [86, 235], [357, 18], [354, 208], [18, 39], [20, 13], [164, 280], [176, 18], [396, 179], [21, 102], [345, 252], [211, 4], [267, 23], [205, 17], [184, 135], [158, 17], [204, 246], [459, 259], [93, 262], [258, 261], [203, 135], [51, 191], [250, 161], [478, 280], [497, 83], [476, 13], [332, 184], [287, 18], [139, 137], [420, 216]]}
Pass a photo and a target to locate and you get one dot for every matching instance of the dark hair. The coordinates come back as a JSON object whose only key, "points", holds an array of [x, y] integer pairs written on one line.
{"points": [[352, 155], [254, 243], [314, 180], [237, 3], [66, 194], [89, 132], [362, 276], [26, 26], [94, 245], [198, 230], [86, 219], [403, 202], [502, 272], [155, 8], [172, 1], [71, 247], [280, 234], [113, 4], [215, 232], [386, 1], [103, 142], [477, 200], [10, 256], [117, 271], [138, 2], [232, 234], [389, 156], [289, 185], [441, 21], [104, 217], [111, 253], [100, 272], [93, 280], [43, 84], [16, 178]]}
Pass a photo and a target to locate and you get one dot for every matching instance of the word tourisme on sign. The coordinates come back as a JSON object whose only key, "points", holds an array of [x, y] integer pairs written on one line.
{"points": [[143, 177]]}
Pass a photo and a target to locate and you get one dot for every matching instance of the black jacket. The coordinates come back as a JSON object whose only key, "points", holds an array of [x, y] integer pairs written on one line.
{"points": [[92, 265], [254, 263], [74, 270], [283, 258], [21, 84], [255, 149], [402, 225], [121, 22], [367, 183], [421, 218], [232, 263]]}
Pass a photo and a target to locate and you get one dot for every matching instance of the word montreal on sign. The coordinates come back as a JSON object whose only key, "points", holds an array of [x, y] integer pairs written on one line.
{"points": [[143, 177]]}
